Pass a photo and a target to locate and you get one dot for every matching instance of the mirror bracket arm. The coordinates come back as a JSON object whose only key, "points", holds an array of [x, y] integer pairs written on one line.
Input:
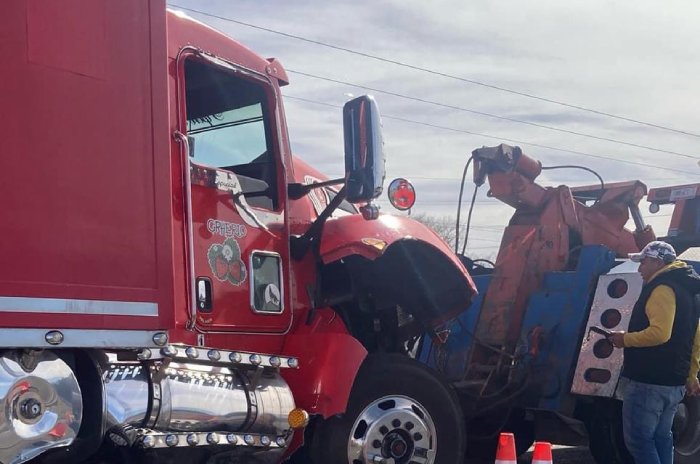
{"points": [[298, 190], [300, 244]]}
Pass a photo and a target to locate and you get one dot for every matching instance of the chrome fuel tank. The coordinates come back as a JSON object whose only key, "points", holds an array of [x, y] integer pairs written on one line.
{"points": [[189, 397]]}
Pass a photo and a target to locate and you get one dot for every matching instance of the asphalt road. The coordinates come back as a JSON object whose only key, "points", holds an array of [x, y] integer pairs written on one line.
{"points": [[560, 455]]}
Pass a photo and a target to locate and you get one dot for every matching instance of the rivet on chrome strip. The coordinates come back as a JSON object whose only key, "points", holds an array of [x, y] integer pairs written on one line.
{"points": [[249, 439], [144, 354], [214, 355], [265, 440], [232, 438], [212, 438], [172, 440], [192, 439], [160, 338], [169, 350], [275, 361], [255, 359], [191, 352], [54, 337], [293, 363], [235, 357], [281, 442], [149, 441]]}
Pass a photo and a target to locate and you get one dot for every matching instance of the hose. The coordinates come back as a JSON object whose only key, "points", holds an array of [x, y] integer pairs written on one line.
{"points": [[574, 166], [459, 202]]}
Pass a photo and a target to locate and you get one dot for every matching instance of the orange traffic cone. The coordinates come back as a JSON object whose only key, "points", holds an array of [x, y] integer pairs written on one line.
{"points": [[542, 453], [505, 453]]}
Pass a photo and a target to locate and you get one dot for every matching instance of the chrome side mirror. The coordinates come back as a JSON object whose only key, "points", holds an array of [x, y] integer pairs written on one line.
{"points": [[364, 150]]}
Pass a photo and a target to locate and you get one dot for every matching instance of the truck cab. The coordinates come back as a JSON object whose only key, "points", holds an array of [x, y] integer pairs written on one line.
{"points": [[175, 284]]}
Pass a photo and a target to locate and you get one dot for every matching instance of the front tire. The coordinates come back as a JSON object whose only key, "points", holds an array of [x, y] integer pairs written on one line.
{"points": [[398, 409]]}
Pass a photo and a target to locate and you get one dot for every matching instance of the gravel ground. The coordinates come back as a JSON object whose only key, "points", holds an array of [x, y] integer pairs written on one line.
{"points": [[566, 455], [560, 455]]}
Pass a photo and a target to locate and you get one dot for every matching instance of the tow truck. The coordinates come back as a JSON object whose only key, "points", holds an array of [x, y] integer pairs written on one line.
{"points": [[530, 355]]}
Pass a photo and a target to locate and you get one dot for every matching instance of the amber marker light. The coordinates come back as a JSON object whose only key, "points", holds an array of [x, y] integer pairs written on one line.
{"points": [[298, 418], [375, 242]]}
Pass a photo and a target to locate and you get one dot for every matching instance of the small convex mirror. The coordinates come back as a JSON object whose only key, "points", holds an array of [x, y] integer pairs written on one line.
{"points": [[402, 195], [364, 150]]}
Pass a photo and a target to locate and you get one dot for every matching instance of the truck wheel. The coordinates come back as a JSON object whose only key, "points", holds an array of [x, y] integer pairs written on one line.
{"points": [[606, 440], [686, 432], [399, 410]]}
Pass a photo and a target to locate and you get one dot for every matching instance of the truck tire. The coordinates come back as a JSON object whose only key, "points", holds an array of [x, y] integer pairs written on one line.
{"points": [[398, 409], [686, 432], [606, 440]]}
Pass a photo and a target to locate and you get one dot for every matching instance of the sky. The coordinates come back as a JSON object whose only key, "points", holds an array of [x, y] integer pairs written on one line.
{"points": [[637, 60]]}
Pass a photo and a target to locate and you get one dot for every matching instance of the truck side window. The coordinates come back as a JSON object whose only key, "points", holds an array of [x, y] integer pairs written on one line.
{"points": [[228, 118]]}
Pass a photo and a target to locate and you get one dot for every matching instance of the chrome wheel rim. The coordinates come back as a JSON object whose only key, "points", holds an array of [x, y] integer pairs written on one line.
{"points": [[41, 406], [393, 430]]}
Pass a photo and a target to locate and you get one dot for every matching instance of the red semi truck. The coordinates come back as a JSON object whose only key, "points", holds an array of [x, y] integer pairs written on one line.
{"points": [[174, 284]]}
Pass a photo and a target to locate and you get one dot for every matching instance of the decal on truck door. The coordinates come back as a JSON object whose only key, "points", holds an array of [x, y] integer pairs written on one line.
{"points": [[226, 263], [226, 229]]}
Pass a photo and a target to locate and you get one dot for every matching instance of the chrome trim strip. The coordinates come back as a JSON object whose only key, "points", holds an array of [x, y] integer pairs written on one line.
{"points": [[148, 438], [186, 168], [225, 357], [181, 137], [66, 306], [78, 338]]}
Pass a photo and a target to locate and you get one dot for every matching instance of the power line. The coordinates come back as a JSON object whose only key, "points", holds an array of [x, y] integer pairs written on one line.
{"points": [[455, 179], [436, 126], [439, 73], [411, 177], [482, 113]]}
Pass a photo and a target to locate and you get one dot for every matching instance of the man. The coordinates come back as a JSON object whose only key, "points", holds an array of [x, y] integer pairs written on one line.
{"points": [[662, 352]]}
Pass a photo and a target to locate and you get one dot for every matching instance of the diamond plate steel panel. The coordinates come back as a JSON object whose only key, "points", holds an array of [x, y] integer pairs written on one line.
{"points": [[588, 359]]}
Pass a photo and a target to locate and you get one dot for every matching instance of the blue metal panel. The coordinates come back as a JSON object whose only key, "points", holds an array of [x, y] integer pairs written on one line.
{"points": [[559, 311]]}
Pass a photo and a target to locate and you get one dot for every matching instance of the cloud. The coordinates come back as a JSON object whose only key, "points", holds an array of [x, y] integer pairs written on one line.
{"points": [[633, 59]]}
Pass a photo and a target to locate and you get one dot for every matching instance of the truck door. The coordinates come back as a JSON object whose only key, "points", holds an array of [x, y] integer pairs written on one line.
{"points": [[238, 235]]}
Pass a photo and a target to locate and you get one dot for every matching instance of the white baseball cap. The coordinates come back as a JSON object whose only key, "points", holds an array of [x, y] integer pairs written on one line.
{"points": [[658, 250]]}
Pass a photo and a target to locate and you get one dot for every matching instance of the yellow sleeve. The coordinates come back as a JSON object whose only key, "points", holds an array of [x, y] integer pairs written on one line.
{"points": [[695, 358], [661, 311]]}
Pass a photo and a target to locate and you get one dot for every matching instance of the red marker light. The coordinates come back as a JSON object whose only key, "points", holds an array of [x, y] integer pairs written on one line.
{"points": [[402, 195]]}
